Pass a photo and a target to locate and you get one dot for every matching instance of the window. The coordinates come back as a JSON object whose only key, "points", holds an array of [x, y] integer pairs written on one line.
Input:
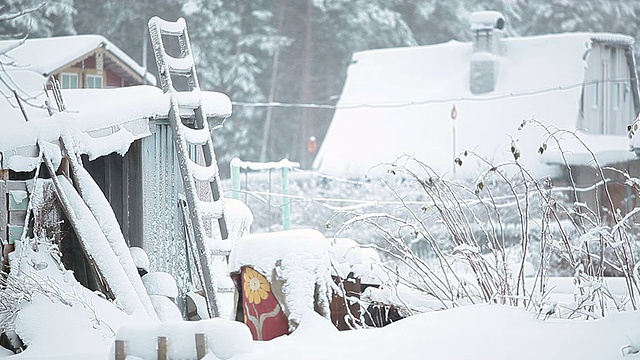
{"points": [[93, 82], [69, 81]]}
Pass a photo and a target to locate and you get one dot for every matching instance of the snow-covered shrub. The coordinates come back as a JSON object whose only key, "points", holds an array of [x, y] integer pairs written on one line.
{"points": [[496, 238]]}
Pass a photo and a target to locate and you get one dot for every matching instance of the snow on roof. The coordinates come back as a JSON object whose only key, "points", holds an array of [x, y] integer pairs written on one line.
{"points": [[399, 101], [105, 120], [46, 55], [483, 20]]}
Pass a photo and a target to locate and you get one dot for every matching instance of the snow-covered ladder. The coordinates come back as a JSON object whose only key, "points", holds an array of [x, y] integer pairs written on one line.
{"points": [[186, 137]]}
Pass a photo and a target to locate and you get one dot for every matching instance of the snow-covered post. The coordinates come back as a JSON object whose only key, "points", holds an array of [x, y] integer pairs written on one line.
{"points": [[454, 115], [286, 201], [235, 178]]}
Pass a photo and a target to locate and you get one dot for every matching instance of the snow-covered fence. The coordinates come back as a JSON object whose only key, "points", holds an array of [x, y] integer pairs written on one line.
{"points": [[284, 165], [184, 340], [163, 348]]}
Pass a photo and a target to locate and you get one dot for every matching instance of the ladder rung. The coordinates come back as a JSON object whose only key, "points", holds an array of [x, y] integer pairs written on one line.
{"points": [[201, 172], [211, 209], [180, 66], [191, 99], [219, 247], [195, 136], [175, 28], [226, 289]]}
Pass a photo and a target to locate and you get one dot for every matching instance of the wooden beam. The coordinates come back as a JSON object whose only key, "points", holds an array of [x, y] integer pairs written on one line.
{"points": [[201, 346], [4, 210], [121, 352], [163, 348]]}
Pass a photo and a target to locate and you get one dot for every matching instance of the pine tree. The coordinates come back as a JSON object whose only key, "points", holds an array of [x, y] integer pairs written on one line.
{"points": [[233, 43], [51, 18], [124, 23]]}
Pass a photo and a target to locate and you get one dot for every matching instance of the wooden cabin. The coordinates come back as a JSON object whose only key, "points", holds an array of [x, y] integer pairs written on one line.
{"points": [[123, 136]]}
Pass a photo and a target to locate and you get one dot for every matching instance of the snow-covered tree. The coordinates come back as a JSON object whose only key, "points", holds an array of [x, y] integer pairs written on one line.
{"points": [[37, 18], [124, 23], [233, 43]]}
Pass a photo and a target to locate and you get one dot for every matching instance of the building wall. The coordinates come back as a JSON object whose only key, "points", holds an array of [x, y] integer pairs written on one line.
{"points": [[163, 227], [611, 196], [607, 100], [93, 66], [119, 178]]}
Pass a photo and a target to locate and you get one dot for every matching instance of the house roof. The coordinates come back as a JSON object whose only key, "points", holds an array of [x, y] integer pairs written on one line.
{"points": [[105, 120], [399, 101], [48, 55]]}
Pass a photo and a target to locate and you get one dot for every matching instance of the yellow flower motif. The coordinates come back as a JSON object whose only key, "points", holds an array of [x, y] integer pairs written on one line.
{"points": [[255, 286]]}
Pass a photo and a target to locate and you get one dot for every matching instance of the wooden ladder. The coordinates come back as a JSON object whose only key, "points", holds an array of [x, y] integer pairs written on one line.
{"points": [[188, 137]]}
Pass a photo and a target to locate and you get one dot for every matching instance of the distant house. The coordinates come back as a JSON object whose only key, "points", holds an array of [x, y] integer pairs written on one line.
{"points": [[122, 133], [77, 62], [401, 100]]}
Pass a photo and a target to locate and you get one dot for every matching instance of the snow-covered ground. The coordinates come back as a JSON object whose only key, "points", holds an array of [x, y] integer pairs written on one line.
{"points": [[70, 322], [470, 332]]}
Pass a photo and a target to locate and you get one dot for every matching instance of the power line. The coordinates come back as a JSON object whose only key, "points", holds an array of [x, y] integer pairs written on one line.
{"points": [[429, 101]]}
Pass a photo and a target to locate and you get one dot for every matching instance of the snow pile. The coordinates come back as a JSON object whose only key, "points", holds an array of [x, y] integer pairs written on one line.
{"points": [[470, 332], [166, 309], [56, 316], [225, 339], [347, 256], [296, 259], [160, 283], [140, 258], [239, 218]]}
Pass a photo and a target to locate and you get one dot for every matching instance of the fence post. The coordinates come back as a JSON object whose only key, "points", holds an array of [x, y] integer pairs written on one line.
{"points": [[201, 346], [162, 348], [286, 201], [235, 178], [121, 353]]}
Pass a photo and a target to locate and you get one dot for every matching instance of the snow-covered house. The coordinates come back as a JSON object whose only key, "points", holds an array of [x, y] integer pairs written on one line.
{"points": [[435, 101], [77, 62], [121, 133]]}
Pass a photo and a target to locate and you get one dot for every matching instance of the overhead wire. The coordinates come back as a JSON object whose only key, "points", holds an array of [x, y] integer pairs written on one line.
{"points": [[430, 101]]}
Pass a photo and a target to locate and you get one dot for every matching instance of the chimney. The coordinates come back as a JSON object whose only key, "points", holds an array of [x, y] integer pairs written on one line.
{"points": [[487, 28]]}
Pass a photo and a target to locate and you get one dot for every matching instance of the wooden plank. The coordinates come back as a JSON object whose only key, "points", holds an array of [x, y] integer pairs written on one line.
{"points": [[163, 348], [17, 217], [201, 346], [16, 185], [18, 200], [121, 352], [4, 210], [14, 232]]}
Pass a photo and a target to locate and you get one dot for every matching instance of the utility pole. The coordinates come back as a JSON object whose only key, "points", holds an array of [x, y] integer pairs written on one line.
{"points": [[272, 89], [307, 125]]}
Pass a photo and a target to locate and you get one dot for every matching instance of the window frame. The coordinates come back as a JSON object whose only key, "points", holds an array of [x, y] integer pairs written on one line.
{"points": [[69, 76], [93, 77]]}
